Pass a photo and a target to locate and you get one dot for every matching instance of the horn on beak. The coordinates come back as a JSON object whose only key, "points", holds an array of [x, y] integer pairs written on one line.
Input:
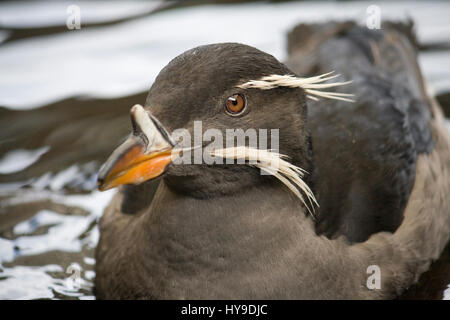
{"points": [[143, 156]]}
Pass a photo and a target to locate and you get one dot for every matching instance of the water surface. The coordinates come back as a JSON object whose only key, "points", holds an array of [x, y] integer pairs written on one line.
{"points": [[65, 97]]}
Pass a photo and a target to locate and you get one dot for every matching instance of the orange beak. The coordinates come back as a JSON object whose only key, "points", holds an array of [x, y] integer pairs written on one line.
{"points": [[143, 156]]}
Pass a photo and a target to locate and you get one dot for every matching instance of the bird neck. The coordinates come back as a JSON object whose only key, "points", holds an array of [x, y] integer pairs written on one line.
{"points": [[262, 209], [239, 236]]}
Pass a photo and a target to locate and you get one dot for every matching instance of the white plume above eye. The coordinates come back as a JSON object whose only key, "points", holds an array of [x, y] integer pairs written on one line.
{"points": [[311, 85]]}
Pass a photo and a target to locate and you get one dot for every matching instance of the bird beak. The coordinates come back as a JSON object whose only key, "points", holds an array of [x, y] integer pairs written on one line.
{"points": [[143, 156]]}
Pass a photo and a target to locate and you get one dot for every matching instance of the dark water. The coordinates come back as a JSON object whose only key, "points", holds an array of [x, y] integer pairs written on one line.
{"points": [[65, 98]]}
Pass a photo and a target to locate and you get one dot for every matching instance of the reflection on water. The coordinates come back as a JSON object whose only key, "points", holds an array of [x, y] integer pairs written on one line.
{"points": [[123, 59], [47, 243], [17, 160], [50, 151]]}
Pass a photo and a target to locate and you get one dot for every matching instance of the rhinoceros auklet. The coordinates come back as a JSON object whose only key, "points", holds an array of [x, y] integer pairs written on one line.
{"points": [[381, 175]]}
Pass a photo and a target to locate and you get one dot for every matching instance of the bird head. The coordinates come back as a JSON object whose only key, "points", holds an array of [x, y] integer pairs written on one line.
{"points": [[205, 97]]}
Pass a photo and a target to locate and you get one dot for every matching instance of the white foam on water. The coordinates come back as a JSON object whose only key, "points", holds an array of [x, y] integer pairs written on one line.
{"points": [[66, 233], [64, 177], [63, 232], [76, 177], [28, 282], [6, 250], [42, 218], [61, 236], [447, 293], [17, 160]]}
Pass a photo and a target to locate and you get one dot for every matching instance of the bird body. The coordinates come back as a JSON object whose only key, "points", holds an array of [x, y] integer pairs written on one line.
{"points": [[228, 232]]}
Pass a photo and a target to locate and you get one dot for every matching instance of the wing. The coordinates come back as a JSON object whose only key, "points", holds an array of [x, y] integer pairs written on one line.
{"points": [[365, 152]]}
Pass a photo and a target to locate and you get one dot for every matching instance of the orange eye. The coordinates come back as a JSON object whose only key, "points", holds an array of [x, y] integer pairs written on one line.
{"points": [[235, 104]]}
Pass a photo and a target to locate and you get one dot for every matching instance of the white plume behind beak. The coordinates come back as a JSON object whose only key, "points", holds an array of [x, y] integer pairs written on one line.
{"points": [[312, 85], [274, 164]]}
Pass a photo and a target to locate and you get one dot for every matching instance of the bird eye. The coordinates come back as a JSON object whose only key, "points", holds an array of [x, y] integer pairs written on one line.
{"points": [[235, 104]]}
